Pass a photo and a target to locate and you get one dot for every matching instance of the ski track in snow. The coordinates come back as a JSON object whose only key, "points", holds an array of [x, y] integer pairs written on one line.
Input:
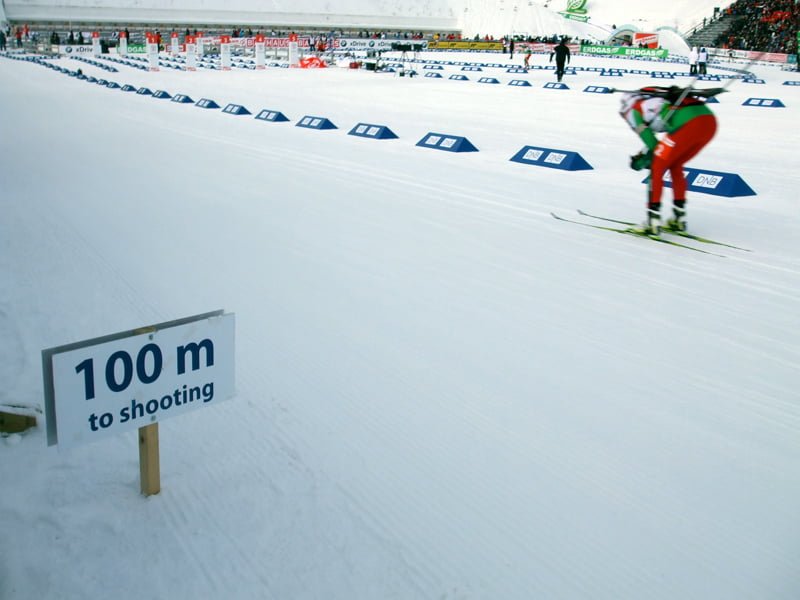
{"points": [[443, 392]]}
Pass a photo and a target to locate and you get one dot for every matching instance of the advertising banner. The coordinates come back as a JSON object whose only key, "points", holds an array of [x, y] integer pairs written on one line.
{"points": [[624, 51], [75, 50], [462, 45], [361, 44], [646, 40], [730, 54], [576, 11]]}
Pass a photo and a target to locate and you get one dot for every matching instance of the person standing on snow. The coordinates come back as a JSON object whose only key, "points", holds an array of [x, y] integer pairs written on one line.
{"points": [[702, 61], [562, 57], [693, 61], [689, 125]]}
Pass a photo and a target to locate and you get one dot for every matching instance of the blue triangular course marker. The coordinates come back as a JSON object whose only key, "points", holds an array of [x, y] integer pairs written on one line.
{"points": [[457, 77], [487, 80], [556, 86], [274, 116], [182, 99], [206, 103], [597, 89], [376, 132], [450, 143], [128, 88], [113, 85], [310, 122], [236, 109], [434, 75], [764, 102], [716, 183], [565, 160], [520, 83], [162, 94], [143, 91], [790, 82]]}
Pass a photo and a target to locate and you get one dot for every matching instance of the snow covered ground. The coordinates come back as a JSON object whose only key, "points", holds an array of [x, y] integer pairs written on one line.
{"points": [[443, 392]]}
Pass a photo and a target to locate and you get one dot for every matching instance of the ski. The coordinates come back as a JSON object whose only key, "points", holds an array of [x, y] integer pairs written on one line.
{"points": [[637, 233], [684, 234]]}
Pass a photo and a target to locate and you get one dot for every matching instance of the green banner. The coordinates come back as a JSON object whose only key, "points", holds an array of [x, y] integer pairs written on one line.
{"points": [[137, 49], [624, 51], [576, 11], [574, 17]]}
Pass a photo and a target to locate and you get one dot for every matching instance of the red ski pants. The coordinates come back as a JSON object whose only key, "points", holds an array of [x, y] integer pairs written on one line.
{"points": [[675, 150]]}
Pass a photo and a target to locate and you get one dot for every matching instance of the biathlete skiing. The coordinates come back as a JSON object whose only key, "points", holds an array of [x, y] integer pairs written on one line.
{"points": [[687, 125]]}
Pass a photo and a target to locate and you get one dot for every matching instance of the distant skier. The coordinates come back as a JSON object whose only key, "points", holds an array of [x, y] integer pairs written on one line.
{"points": [[562, 57], [689, 126]]}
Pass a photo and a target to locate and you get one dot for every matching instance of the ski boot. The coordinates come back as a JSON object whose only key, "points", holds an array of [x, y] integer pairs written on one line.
{"points": [[652, 227], [678, 220]]}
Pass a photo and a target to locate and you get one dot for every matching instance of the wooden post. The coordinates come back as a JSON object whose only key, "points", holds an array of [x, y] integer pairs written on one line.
{"points": [[14, 423], [149, 464]]}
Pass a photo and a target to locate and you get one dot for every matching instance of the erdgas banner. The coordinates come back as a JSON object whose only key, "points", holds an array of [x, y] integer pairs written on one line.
{"points": [[624, 51]]}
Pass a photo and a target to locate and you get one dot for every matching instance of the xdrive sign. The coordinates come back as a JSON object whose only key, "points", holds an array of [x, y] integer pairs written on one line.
{"points": [[133, 379]]}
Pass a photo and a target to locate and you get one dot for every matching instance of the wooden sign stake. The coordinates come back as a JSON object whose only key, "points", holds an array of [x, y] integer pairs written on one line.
{"points": [[149, 464]]}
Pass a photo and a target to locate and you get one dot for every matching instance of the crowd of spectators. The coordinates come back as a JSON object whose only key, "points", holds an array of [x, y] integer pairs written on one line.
{"points": [[22, 33], [762, 26], [530, 39]]}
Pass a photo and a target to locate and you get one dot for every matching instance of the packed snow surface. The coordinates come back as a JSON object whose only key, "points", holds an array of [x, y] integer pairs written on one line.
{"points": [[442, 391]]}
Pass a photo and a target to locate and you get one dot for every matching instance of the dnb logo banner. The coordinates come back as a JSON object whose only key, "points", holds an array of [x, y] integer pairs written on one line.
{"points": [[576, 11]]}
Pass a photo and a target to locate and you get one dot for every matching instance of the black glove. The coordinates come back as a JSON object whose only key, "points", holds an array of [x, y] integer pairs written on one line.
{"points": [[642, 160]]}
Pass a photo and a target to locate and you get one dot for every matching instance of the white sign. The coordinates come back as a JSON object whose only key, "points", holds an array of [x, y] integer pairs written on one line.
{"points": [[225, 56], [152, 55], [260, 55], [555, 158], [118, 383], [533, 154], [707, 180], [191, 57]]}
